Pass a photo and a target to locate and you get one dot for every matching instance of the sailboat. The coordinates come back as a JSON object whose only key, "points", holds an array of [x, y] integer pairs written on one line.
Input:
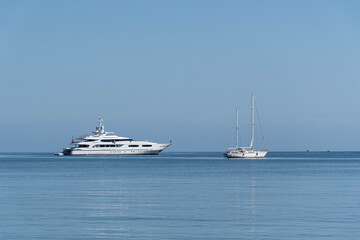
{"points": [[246, 152]]}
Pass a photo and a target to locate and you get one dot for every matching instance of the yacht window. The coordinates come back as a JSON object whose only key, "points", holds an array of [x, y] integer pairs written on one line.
{"points": [[117, 140], [123, 140], [110, 145], [133, 145], [83, 146], [147, 145]]}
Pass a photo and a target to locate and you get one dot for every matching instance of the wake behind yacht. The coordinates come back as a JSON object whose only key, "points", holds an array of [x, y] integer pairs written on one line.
{"points": [[107, 143], [246, 152]]}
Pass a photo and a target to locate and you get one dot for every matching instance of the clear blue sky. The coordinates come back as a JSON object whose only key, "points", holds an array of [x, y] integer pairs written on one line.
{"points": [[161, 70]]}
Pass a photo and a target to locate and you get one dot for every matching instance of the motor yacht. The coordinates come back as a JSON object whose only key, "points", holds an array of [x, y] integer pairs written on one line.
{"points": [[107, 143]]}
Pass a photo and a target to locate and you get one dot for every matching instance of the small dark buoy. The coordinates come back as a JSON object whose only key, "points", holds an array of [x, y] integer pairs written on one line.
{"points": [[328, 150]]}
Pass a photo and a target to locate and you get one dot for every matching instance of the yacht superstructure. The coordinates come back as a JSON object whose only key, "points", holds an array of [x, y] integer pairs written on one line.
{"points": [[107, 143]]}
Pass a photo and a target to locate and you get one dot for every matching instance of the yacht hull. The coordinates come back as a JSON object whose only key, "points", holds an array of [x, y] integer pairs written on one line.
{"points": [[100, 153], [114, 151], [245, 154]]}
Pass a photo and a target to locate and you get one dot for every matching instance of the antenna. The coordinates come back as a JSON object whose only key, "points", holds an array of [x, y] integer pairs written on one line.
{"points": [[100, 127]]}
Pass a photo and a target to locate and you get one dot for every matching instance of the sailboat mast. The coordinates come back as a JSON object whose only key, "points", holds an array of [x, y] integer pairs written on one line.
{"points": [[252, 121], [237, 128]]}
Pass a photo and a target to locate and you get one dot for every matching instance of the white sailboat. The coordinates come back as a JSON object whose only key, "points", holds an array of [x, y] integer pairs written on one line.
{"points": [[246, 152]]}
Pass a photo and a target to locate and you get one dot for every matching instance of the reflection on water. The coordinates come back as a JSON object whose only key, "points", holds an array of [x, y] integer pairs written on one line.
{"points": [[180, 196], [253, 202]]}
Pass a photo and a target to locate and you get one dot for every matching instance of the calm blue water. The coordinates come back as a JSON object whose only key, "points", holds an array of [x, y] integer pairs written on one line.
{"points": [[180, 196]]}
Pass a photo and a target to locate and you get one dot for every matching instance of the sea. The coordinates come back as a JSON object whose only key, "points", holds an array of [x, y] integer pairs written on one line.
{"points": [[184, 195]]}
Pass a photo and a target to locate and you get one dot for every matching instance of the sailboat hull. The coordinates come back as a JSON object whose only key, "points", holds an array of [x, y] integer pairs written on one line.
{"points": [[245, 154]]}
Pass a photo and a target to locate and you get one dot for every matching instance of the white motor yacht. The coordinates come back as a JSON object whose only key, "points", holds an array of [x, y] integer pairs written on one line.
{"points": [[107, 143]]}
